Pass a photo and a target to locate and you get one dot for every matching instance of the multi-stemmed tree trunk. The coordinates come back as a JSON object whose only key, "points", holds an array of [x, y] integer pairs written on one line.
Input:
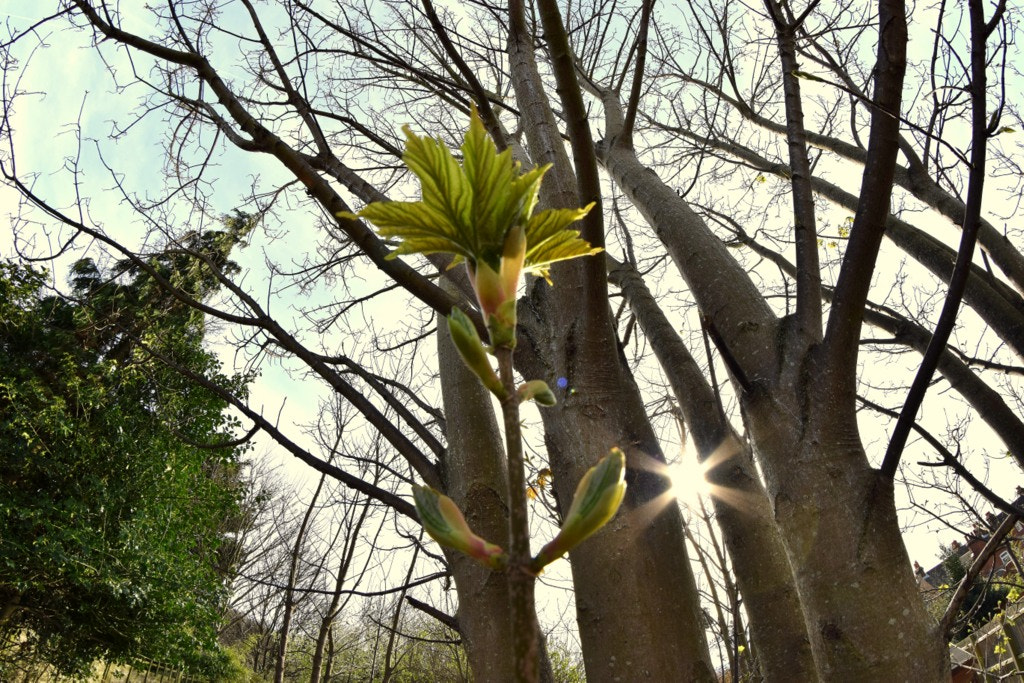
{"points": [[798, 395], [799, 406], [567, 332], [742, 508]]}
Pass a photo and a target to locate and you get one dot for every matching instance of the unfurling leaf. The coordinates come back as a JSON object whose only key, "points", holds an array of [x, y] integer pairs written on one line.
{"points": [[443, 520], [808, 77], [471, 209], [537, 390], [597, 499]]}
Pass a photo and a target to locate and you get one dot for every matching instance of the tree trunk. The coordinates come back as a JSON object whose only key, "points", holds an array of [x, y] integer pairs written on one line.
{"points": [[476, 480], [289, 594], [742, 508], [872, 580], [864, 613], [335, 606], [636, 570]]}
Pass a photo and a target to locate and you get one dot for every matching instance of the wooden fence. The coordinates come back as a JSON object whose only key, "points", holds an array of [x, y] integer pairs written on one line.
{"points": [[994, 653], [139, 671]]}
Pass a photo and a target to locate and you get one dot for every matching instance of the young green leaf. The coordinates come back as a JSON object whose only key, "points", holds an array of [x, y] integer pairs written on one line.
{"points": [[469, 210]]}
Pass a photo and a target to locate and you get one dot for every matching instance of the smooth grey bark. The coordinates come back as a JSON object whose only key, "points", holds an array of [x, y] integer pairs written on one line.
{"points": [[913, 177], [805, 230], [476, 479], [742, 508], [636, 570], [994, 301], [986, 401], [864, 614], [724, 293], [636, 600]]}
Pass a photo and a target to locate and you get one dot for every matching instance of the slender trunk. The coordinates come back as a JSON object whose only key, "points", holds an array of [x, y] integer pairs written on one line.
{"points": [[317, 664], [330, 654], [636, 570], [805, 232], [335, 606], [388, 669], [289, 594], [521, 579]]}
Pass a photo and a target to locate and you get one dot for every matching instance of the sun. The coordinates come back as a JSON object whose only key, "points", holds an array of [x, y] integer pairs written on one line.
{"points": [[688, 478], [688, 484]]}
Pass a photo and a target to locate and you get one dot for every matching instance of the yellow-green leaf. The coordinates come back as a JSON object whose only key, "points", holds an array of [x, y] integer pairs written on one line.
{"points": [[469, 209], [549, 239], [443, 186]]}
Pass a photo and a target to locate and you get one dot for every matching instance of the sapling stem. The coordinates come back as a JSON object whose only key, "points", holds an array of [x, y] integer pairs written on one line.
{"points": [[521, 579], [500, 237]]}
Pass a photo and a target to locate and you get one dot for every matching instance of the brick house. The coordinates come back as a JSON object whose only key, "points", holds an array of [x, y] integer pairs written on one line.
{"points": [[997, 647]]}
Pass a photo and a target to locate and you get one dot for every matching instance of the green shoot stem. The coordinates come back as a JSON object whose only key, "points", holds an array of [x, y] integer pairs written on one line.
{"points": [[521, 579]]}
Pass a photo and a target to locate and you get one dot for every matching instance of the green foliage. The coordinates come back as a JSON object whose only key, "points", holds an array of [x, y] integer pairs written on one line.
{"points": [[954, 567], [566, 666], [236, 670], [116, 475], [424, 650]]}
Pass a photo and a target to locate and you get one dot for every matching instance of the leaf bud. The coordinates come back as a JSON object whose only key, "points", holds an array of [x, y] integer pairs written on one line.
{"points": [[442, 519], [597, 499], [538, 391], [467, 341]]}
